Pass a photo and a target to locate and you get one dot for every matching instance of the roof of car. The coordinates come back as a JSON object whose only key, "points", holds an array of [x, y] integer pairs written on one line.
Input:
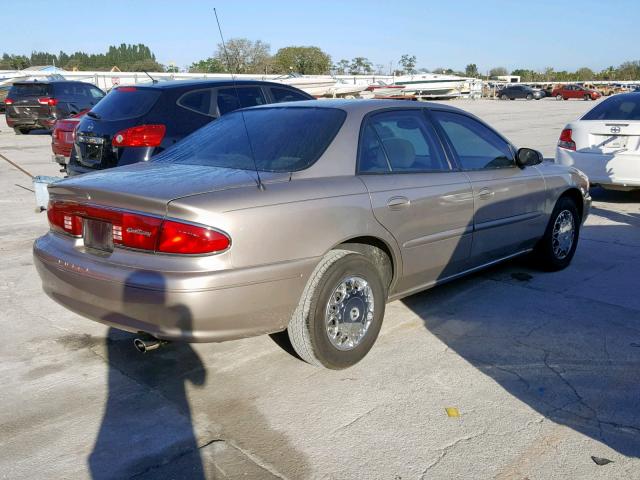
{"points": [[359, 105], [48, 82], [207, 82]]}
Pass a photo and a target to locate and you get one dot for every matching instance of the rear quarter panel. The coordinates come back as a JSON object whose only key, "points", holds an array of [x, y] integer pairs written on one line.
{"points": [[287, 221]]}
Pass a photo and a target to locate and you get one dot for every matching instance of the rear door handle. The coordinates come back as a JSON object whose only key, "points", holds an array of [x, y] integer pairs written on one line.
{"points": [[486, 193], [396, 203]]}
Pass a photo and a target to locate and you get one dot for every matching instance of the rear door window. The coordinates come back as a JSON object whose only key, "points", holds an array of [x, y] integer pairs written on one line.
{"points": [[126, 102], [198, 101], [400, 141], [227, 98], [286, 95], [618, 107]]}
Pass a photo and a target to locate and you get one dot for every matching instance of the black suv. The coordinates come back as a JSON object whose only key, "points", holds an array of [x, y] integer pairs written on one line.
{"points": [[38, 104], [133, 123]]}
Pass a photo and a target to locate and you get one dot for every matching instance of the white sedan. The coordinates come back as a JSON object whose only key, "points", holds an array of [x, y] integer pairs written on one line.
{"points": [[605, 143]]}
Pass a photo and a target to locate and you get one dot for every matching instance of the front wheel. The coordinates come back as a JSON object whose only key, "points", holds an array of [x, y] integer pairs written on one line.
{"points": [[529, 97], [340, 313], [556, 248], [504, 97], [587, 98]]}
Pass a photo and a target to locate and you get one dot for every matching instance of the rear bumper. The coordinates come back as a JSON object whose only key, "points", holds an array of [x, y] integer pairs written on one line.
{"points": [[192, 307], [46, 123], [621, 170]]}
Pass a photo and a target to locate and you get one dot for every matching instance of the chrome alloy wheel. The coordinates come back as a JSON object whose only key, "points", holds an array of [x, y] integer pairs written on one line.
{"points": [[349, 313], [563, 234]]}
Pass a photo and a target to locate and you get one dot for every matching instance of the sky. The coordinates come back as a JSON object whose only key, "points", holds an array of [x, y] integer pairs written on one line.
{"points": [[564, 34]]}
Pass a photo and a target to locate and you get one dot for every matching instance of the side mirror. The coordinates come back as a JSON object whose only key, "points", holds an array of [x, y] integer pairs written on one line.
{"points": [[527, 157]]}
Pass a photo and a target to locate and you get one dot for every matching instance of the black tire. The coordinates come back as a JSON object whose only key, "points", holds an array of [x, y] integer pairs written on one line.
{"points": [[307, 328], [548, 257], [21, 130], [529, 96], [504, 97], [559, 97], [587, 98]]}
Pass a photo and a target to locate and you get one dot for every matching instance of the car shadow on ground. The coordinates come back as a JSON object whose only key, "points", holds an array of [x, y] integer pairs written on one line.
{"points": [[571, 358], [148, 428]]}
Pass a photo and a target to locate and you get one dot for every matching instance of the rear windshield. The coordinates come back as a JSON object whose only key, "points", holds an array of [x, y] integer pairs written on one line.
{"points": [[126, 102], [618, 107], [281, 139], [29, 90]]}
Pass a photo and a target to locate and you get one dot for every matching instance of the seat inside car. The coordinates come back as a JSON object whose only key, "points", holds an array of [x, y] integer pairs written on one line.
{"points": [[401, 153]]}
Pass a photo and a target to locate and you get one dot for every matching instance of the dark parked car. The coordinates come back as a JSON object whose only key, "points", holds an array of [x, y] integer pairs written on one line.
{"points": [[4, 91], [512, 92], [133, 123], [39, 104]]}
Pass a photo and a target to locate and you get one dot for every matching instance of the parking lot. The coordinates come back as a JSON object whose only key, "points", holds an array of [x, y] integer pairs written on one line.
{"points": [[542, 369]]}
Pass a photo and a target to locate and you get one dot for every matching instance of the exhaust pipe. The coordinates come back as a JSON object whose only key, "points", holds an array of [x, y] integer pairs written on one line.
{"points": [[144, 345]]}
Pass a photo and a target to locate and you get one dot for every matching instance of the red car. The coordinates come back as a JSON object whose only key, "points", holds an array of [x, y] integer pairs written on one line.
{"points": [[565, 92], [62, 138]]}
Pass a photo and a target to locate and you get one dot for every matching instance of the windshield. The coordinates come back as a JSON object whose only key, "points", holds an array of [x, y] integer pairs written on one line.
{"points": [[126, 102], [618, 107], [284, 139]]}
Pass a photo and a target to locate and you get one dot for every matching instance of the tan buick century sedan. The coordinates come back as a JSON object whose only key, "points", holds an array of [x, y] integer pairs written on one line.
{"points": [[308, 217]]}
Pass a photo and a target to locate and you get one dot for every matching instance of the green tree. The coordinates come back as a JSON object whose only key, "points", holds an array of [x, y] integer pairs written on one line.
{"points": [[585, 73], [303, 60], [245, 56], [342, 67], [498, 72], [471, 70], [408, 63], [360, 65], [209, 65]]}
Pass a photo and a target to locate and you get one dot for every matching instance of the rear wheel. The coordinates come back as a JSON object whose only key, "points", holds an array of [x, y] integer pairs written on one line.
{"points": [[504, 97], [556, 248], [558, 97], [529, 96], [587, 98], [340, 313]]}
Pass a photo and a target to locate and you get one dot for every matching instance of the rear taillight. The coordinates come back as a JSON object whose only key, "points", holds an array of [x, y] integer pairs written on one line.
{"points": [[48, 101], [566, 141], [8, 101], [63, 219], [140, 136], [177, 237], [139, 231]]}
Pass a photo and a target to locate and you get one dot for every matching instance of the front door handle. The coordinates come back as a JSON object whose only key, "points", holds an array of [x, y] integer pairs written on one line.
{"points": [[396, 203], [486, 193]]}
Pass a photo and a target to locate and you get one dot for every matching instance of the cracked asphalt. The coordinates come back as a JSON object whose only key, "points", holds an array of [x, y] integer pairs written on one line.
{"points": [[544, 368]]}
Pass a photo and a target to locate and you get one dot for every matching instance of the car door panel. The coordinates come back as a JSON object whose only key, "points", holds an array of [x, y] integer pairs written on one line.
{"points": [[433, 225], [416, 196], [508, 201]]}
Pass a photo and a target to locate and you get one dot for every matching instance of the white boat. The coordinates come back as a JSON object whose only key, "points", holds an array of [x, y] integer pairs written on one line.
{"points": [[316, 85], [381, 89], [346, 89], [431, 85]]}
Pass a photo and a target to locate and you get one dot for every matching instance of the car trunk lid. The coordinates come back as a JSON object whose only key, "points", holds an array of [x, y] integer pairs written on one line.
{"points": [[607, 136], [149, 187]]}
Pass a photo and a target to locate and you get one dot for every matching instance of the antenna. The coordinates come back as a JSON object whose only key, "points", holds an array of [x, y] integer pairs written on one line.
{"points": [[235, 86], [147, 74]]}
